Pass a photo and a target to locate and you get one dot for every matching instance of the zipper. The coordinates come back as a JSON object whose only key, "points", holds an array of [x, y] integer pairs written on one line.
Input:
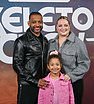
{"points": [[20, 91], [42, 49]]}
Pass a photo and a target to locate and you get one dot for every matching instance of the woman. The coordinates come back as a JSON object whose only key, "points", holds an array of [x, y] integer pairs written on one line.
{"points": [[74, 55]]}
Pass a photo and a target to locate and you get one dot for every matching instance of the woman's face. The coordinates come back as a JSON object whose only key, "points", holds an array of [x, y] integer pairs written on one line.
{"points": [[63, 27]]}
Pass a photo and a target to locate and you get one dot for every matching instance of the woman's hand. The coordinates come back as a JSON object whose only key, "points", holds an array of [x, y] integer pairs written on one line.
{"points": [[66, 77]]}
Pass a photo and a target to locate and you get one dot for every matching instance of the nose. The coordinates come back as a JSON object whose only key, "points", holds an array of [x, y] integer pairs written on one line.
{"points": [[55, 66], [62, 27], [37, 23]]}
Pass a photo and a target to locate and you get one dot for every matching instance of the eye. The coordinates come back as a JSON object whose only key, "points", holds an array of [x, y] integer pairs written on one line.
{"points": [[33, 22], [57, 64], [66, 25], [51, 64], [59, 25], [40, 22]]}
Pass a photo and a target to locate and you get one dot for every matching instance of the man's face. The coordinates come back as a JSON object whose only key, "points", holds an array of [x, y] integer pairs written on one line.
{"points": [[36, 24]]}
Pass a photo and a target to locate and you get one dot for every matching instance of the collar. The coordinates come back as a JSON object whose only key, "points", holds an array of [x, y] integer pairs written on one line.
{"points": [[31, 35], [71, 37], [60, 78]]}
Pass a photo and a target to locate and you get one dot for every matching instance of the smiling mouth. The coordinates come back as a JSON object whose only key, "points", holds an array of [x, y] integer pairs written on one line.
{"points": [[37, 29]]}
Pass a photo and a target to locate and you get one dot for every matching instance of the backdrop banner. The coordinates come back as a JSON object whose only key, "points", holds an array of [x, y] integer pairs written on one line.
{"points": [[13, 23]]}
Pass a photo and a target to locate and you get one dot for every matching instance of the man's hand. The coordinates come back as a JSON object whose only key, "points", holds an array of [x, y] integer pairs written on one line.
{"points": [[43, 83]]}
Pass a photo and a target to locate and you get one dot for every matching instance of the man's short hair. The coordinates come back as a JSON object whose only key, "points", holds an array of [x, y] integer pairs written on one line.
{"points": [[34, 13]]}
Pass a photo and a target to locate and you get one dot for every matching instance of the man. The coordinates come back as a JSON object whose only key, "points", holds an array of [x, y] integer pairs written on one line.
{"points": [[29, 60]]}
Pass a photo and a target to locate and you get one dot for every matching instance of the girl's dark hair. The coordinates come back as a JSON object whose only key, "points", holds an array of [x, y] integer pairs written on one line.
{"points": [[58, 56]]}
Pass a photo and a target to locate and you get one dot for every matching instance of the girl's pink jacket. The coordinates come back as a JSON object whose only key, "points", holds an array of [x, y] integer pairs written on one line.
{"points": [[65, 90]]}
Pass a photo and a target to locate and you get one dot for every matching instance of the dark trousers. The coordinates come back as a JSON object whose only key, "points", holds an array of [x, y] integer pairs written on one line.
{"points": [[78, 91], [27, 94]]}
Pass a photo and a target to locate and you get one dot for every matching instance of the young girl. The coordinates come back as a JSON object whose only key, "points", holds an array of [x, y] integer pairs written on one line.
{"points": [[58, 91]]}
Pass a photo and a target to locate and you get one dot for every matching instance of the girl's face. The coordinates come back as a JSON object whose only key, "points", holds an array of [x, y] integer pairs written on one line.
{"points": [[54, 66], [63, 27]]}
